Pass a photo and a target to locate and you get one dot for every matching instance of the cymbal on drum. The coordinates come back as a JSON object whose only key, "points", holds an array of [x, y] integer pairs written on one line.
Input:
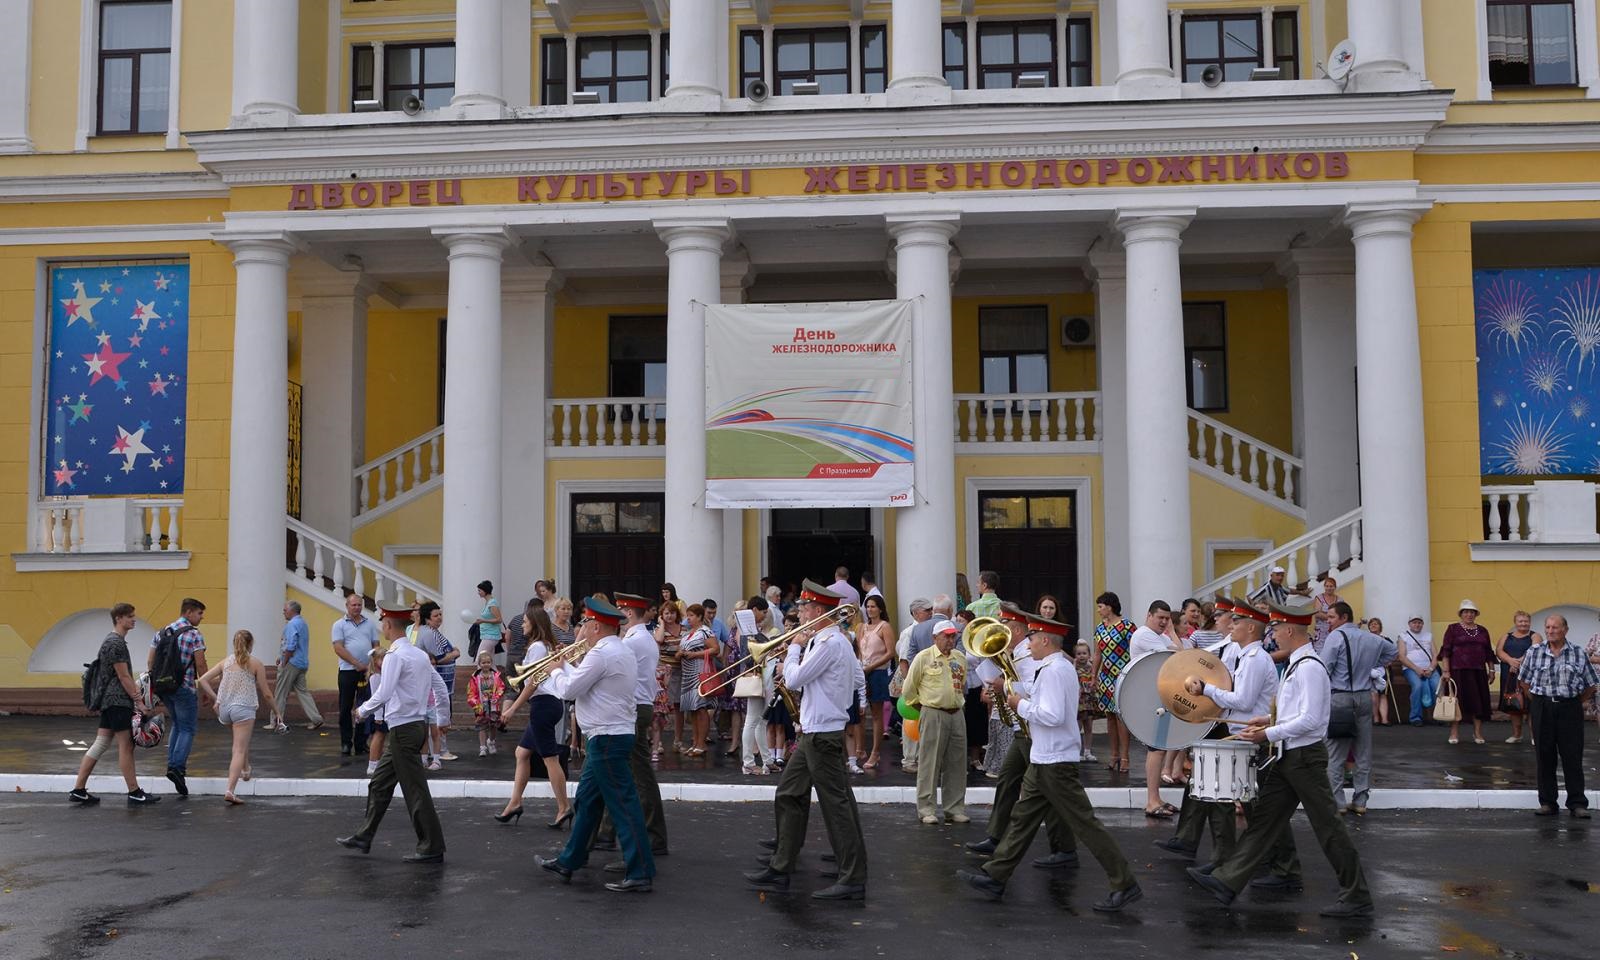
{"points": [[1202, 665], [1140, 707]]}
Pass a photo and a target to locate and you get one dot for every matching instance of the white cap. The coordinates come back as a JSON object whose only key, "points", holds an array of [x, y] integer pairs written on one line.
{"points": [[1279, 570], [946, 626]]}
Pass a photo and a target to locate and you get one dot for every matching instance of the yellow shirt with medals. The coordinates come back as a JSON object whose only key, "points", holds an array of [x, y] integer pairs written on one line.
{"points": [[937, 679]]}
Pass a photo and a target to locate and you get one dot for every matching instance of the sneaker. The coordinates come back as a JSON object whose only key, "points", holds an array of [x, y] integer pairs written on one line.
{"points": [[854, 767], [178, 781], [447, 755], [434, 765], [492, 750], [82, 796], [483, 751], [138, 797], [1089, 757]]}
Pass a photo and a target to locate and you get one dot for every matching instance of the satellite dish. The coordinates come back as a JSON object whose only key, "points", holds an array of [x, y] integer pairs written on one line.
{"points": [[1211, 75], [1341, 60]]}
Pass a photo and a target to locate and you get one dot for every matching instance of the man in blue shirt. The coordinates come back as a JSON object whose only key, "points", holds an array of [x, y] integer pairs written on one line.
{"points": [[293, 662], [718, 627]]}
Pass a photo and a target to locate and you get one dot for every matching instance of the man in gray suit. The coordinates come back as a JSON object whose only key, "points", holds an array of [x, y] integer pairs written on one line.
{"points": [[1353, 656]]}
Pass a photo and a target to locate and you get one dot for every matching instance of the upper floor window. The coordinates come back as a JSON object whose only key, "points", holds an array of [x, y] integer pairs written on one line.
{"points": [[1010, 50], [874, 59], [1205, 349], [1532, 44], [815, 56], [1014, 349], [1233, 43], [955, 55], [618, 68], [426, 71], [638, 356], [135, 66]]}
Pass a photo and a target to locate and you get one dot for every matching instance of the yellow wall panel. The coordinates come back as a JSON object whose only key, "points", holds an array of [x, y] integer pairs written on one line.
{"points": [[1219, 512], [420, 521], [402, 377]]}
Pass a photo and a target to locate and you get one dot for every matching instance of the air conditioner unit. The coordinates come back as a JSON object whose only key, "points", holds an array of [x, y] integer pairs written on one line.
{"points": [[1077, 332]]}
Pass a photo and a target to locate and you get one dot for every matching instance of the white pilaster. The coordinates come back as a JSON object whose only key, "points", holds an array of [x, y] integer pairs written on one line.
{"points": [[527, 356], [916, 46], [333, 367], [737, 277], [1389, 413], [925, 561], [694, 543], [1268, 54], [1110, 272], [478, 59], [1160, 562], [258, 458], [1322, 376], [1584, 19], [1378, 29], [470, 548], [1144, 67], [16, 43], [266, 61], [694, 27], [516, 52]]}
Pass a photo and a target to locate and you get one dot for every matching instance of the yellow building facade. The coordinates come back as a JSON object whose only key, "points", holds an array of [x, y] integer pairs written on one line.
{"points": [[440, 264]]}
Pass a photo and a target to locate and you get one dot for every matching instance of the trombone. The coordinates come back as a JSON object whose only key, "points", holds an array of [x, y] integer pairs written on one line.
{"points": [[761, 652], [989, 639], [539, 670]]}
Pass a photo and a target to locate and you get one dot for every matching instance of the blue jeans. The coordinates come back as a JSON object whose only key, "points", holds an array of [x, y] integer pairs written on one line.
{"points": [[1423, 691], [184, 706], [607, 783]]}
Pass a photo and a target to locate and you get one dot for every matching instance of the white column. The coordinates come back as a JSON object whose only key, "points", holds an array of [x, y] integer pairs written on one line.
{"points": [[470, 546], [333, 373], [1377, 27], [1389, 413], [1110, 272], [694, 28], [266, 59], [1145, 69], [527, 355], [516, 52], [1584, 19], [478, 79], [737, 277], [925, 558], [1322, 375], [16, 43], [1160, 562], [258, 430], [694, 559], [916, 45], [1268, 54]]}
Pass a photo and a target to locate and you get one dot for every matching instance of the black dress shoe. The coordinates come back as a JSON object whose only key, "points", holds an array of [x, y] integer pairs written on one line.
{"points": [[842, 891], [423, 858], [771, 844], [982, 847], [982, 882], [554, 866], [1174, 845], [178, 781], [768, 877], [605, 845], [765, 859], [1118, 899], [629, 886], [1207, 868], [364, 844], [1217, 887], [827, 857], [1274, 882], [1546, 810], [344, 751], [1055, 861], [828, 874], [1580, 813], [616, 866], [1341, 910]]}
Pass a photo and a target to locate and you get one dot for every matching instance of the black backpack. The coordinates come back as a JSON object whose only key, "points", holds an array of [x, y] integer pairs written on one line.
{"points": [[91, 684], [168, 668]]}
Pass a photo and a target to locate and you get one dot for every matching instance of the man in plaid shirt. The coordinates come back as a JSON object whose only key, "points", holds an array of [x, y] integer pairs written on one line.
{"points": [[183, 704], [1558, 678]]}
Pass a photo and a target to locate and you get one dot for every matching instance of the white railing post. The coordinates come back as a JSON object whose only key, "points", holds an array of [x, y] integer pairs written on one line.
{"points": [[972, 419]]}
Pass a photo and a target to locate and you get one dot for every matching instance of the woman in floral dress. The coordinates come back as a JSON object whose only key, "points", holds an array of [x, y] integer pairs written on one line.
{"points": [[1110, 656]]}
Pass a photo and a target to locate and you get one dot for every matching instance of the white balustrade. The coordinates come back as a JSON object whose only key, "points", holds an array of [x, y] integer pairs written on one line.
{"points": [[400, 471], [329, 568], [1334, 547], [107, 525], [1027, 418], [1545, 511], [159, 523], [1244, 459], [616, 426], [59, 527]]}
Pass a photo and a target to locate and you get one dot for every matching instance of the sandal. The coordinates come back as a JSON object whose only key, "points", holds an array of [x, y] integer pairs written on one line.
{"points": [[1122, 765], [245, 774], [655, 756], [1479, 741], [1167, 781], [871, 764], [232, 800], [1162, 812]]}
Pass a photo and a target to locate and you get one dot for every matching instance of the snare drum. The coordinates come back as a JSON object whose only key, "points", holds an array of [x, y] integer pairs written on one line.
{"points": [[1224, 771]]}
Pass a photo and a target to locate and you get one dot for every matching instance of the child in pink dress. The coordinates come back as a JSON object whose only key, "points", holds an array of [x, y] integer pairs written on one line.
{"points": [[485, 690]]}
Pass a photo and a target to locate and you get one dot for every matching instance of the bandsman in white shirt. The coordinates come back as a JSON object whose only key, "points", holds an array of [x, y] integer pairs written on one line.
{"points": [[1063, 846], [1050, 706], [1299, 777], [401, 694], [822, 668], [636, 637], [602, 685]]}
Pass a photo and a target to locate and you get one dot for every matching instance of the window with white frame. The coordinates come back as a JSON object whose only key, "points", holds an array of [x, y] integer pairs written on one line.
{"points": [[1008, 50], [1532, 44], [135, 66]]}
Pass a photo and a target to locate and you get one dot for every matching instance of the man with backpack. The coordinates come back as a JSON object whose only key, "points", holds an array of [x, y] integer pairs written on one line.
{"points": [[177, 656], [109, 688]]}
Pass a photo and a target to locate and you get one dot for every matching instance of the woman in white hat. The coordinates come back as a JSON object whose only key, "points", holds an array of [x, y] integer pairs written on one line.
{"points": [[1465, 656]]}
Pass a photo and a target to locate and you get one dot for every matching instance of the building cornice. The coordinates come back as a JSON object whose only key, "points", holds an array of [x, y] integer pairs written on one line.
{"points": [[1512, 138], [112, 186], [656, 139]]}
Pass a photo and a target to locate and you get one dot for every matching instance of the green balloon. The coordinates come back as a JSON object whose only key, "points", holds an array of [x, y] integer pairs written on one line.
{"points": [[907, 710]]}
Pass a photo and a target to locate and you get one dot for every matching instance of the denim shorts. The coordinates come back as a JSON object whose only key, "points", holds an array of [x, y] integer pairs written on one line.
{"points": [[232, 713]]}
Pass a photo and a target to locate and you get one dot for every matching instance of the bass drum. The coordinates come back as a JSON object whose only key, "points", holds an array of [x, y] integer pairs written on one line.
{"points": [[1139, 705]]}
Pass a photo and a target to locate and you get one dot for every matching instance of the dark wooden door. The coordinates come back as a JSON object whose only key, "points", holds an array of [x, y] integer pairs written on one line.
{"points": [[812, 543], [1030, 539], [617, 545]]}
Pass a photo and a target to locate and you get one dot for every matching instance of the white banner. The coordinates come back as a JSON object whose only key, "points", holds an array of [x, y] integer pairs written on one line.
{"points": [[809, 405]]}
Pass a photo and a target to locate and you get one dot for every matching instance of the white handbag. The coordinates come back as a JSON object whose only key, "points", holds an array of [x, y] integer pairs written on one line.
{"points": [[748, 685]]}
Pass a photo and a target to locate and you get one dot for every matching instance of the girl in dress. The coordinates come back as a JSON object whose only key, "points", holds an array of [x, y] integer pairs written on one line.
{"points": [[484, 692]]}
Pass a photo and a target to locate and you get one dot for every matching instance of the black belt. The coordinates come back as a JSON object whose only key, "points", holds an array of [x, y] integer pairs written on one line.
{"points": [[1362, 690], [1546, 696], [944, 709]]}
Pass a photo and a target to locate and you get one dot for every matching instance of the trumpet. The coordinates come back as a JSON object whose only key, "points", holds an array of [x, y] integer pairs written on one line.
{"points": [[761, 652], [539, 670], [989, 639]]}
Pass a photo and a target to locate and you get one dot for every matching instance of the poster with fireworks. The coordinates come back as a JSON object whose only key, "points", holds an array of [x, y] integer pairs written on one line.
{"points": [[1538, 386], [117, 380]]}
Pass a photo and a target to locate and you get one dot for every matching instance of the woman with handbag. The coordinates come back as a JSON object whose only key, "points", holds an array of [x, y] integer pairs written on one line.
{"points": [[1464, 659], [696, 655], [749, 692], [1513, 646]]}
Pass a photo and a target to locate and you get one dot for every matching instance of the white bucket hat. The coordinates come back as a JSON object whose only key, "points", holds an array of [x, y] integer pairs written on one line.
{"points": [[1467, 605]]}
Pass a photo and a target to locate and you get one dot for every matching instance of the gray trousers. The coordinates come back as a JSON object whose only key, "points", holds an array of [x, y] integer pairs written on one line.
{"points": [[402, 766], [943, 766], [1339, 749], [292, 678], [818, 763]]}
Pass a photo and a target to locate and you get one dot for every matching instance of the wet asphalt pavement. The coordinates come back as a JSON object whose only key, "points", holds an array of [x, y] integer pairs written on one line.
{"points": [[197, 879]]}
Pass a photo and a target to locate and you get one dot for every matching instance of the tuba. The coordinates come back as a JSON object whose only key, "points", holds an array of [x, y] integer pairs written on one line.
{"points": [[989, 639]]}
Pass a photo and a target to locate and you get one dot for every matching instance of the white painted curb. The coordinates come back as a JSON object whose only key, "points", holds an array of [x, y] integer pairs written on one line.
{"points": [[1106, 798]]}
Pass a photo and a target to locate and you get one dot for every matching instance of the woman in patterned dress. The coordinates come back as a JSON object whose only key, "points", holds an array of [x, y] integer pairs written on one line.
{"points": [[1591, 706], [1109, 657]]}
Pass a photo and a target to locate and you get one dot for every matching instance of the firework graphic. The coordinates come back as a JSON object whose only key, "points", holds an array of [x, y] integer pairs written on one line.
{"points": [[1532, 447], [1499, 398], [1577, 312], [1546, 374], [1578, 407], [1508, 313]]}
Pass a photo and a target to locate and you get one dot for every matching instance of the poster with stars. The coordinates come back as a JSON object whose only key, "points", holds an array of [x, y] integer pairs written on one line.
{"points": [[117, 377], [1538, 370]]}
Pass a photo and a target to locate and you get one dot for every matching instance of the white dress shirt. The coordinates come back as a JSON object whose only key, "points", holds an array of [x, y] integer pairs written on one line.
{"points": [[1255, 683], [403, 686], [1145, 642], [602, 685], [538, 651], [1050, 705], [827, 674], [645, 656], [1303, 699]]}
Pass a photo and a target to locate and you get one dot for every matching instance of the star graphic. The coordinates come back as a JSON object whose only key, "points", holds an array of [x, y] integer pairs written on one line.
{"points": [[176, 420], [64, 476], [108, 478], [136, 341], [104, 364], [124, 271], [58, 355], [94, 441], [129, 446], [103, 338], [80, 411], [143, 363], [105, 286], [163, 484], [166, 448], [127, 401], [162, 325], [145, 311], [162, 280], [81, 306], [158, 385], [155, 463], [78, 464], [122, 385], [170, 461], [163, 351]]}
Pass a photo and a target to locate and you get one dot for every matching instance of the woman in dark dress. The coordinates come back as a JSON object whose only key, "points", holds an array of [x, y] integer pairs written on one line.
{"points": [[1465, 656], [1512, 648]]}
